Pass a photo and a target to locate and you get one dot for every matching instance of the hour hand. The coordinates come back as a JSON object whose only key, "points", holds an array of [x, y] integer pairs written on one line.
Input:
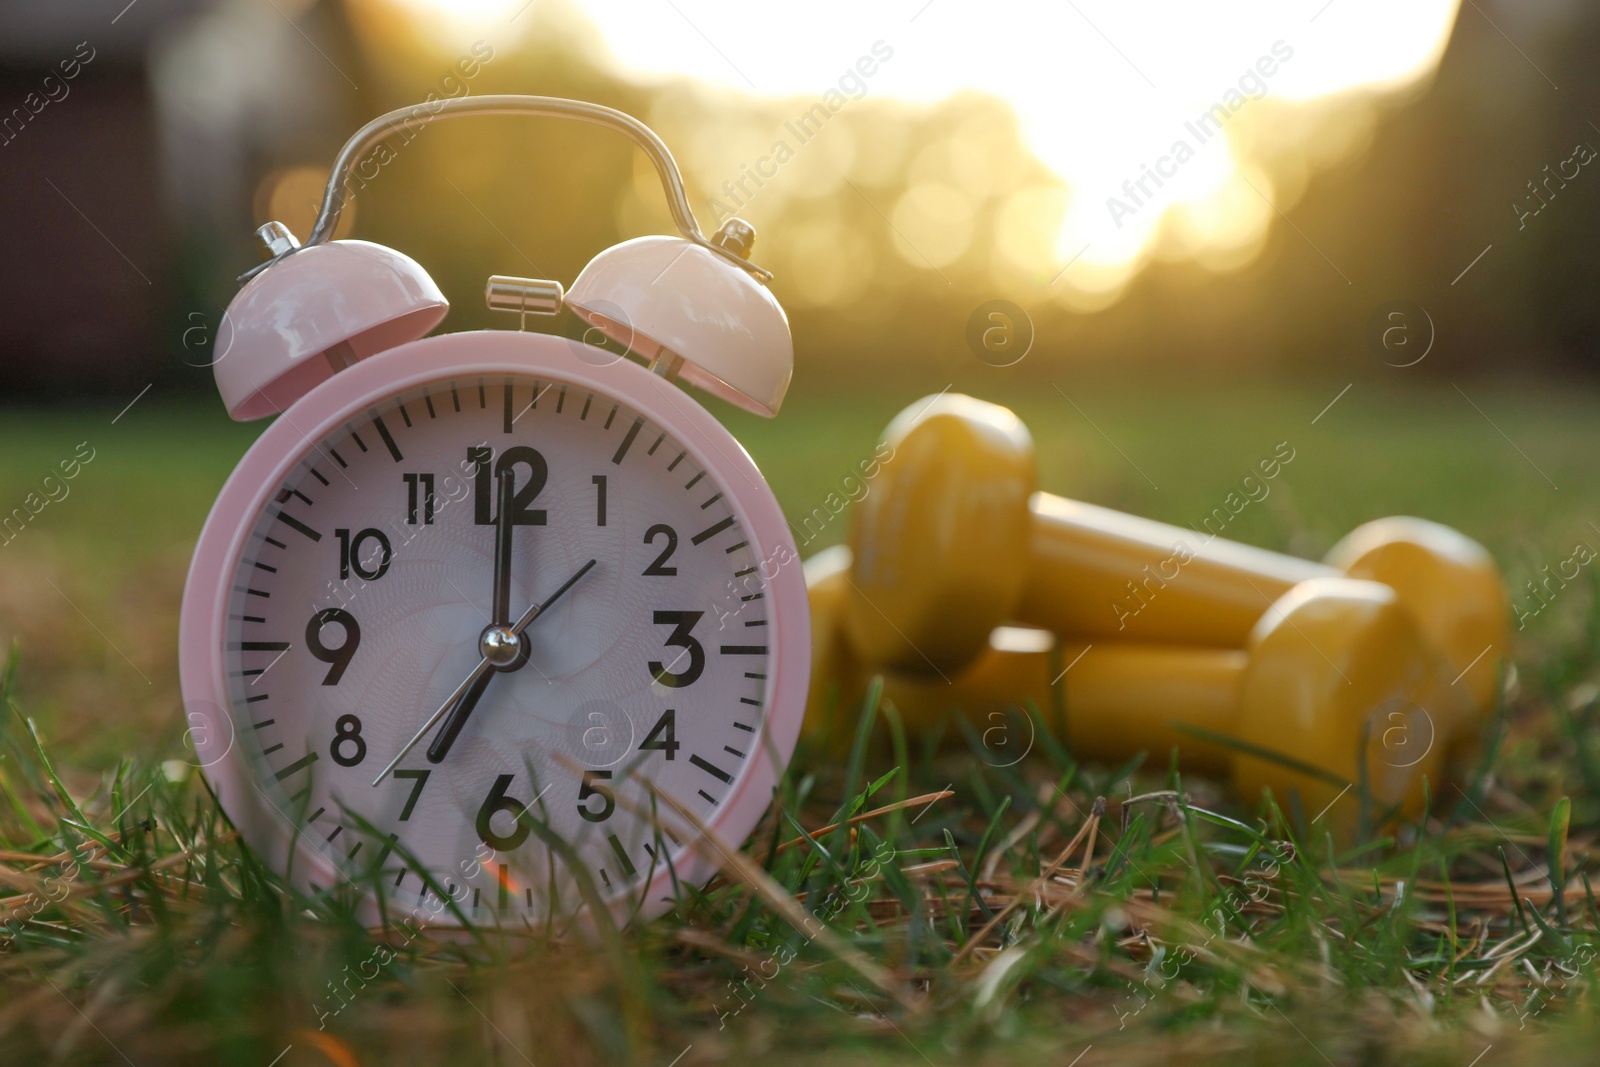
{"points": [[458, 718]]}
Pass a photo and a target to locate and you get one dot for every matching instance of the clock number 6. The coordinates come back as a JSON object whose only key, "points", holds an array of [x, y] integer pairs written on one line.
{"points": [[682, 623], [496, 802], [336, 658]]}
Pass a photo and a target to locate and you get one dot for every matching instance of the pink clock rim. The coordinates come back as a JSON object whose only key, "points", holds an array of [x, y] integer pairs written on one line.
{"points": [[348, 395]]}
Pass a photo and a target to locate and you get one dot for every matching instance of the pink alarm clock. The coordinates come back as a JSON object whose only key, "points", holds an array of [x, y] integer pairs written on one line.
{"points": [[497, 622]]}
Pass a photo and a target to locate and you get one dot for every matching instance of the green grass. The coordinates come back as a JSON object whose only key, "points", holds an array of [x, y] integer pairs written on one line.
{"points": [[1181, 925]]}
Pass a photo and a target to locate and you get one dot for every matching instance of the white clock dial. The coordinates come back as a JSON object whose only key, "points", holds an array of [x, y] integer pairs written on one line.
{"points": [[360, 602]]}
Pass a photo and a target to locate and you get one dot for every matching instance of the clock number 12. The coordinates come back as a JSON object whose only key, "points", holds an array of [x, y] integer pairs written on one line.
{"points": [[522, 497], [339, 657]]}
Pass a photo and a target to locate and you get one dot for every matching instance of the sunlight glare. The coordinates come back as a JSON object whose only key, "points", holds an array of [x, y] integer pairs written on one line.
{"points": [[1149, 114], [463, 16]]}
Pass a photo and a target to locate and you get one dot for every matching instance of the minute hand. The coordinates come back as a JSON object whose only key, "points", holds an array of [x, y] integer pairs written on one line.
{"points": [[482, 668], [500, 618]]}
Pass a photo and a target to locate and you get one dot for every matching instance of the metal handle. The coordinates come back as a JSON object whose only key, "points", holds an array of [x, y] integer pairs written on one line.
{"points": [[366, 138]]}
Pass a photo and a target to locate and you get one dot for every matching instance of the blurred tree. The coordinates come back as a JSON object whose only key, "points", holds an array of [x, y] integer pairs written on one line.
{"points": [[254, 102]]}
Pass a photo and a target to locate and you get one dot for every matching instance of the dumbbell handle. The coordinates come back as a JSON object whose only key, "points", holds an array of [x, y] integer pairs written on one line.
{"points": [[1106, 701], [1098, 573]]}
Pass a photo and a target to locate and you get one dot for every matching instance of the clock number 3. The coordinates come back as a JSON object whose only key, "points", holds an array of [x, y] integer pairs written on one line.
{"points": [[485, 475], [682, 622]]}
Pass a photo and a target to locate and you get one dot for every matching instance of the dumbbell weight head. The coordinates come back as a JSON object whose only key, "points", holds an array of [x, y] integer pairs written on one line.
{"points": [[941, 541], [1341, 676], [1336, 675], [1452, 588]]}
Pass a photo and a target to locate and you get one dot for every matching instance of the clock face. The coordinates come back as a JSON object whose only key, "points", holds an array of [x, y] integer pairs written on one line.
{"points": [[359, 606]]}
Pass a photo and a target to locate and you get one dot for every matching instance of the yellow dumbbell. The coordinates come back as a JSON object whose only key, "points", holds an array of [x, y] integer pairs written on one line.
{"points": [[1334, 676], [953, 540]]}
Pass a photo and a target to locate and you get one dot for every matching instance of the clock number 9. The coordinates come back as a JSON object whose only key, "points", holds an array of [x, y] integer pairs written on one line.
{"points": [[496, 802], [522, 514], [682, 623], [336, 658]]}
